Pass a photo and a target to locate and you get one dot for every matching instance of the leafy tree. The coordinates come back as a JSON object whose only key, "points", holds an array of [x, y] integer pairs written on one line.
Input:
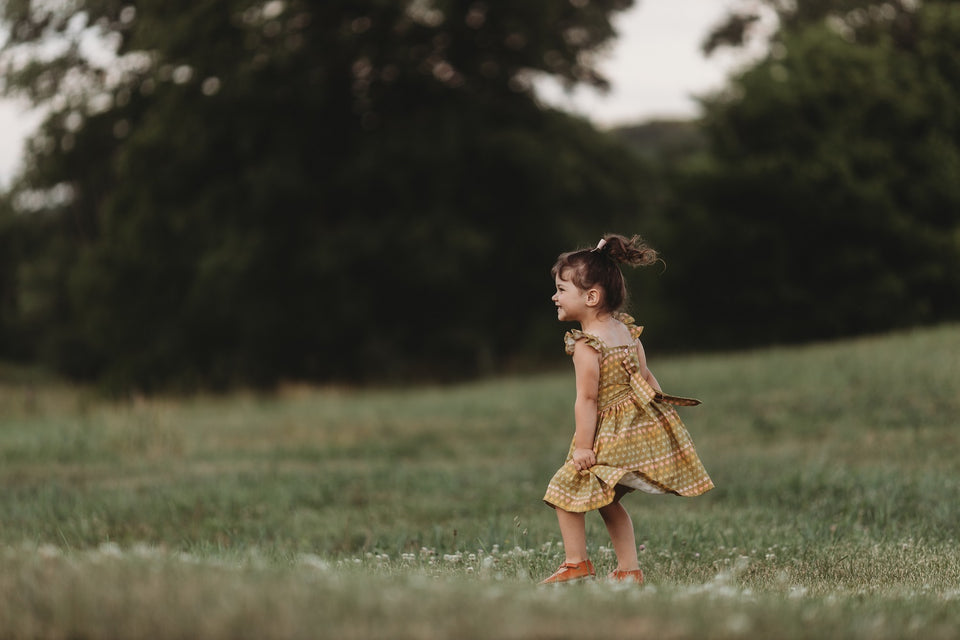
{"points": [[306, 189], [860, 19], [830, 204]]}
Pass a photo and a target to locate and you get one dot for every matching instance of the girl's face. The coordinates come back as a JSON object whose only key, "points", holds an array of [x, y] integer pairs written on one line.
{"points": [[573, 303]]}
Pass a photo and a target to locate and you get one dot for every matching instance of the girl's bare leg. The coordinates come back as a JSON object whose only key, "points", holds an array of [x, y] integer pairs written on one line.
{"points": [[573, 532], [620, 528]]}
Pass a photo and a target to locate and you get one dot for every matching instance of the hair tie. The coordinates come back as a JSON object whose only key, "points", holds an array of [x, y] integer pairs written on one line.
{"points": [[601, 244]]}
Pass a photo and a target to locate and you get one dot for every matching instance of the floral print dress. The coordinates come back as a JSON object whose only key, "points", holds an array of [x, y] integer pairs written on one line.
{"points": [[640, 442]]}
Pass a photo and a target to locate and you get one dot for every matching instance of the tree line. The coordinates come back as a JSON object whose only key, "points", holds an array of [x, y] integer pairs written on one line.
{"points": [[247, 191]]}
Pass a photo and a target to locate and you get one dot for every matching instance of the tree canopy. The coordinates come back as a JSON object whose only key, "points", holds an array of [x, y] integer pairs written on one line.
{"points": [[333, 189], [245, 191], [829, 205]]}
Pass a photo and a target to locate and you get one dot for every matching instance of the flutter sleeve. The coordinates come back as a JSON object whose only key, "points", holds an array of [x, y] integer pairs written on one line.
{"points": [[635, 331], [575, 335]]}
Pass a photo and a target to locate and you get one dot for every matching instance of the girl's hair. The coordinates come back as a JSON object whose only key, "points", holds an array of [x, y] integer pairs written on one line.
{"points": [[600, 268]]}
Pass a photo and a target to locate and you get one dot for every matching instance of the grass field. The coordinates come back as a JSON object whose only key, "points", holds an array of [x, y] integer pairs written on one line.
{"points": [[416, 513]]}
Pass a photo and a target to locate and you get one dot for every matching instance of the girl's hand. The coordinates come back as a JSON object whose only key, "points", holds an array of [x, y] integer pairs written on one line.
{"points": [[584, 459]]}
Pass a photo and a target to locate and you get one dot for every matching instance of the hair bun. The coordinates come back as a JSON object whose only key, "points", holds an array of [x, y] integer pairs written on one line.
{"points": [[630, 251]]}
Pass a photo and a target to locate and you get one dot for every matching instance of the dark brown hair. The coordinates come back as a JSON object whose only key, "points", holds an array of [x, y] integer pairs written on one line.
{"points": [[600, 268]]}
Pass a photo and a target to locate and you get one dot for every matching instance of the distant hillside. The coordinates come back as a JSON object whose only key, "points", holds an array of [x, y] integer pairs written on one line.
{"points": [[663, 139]]}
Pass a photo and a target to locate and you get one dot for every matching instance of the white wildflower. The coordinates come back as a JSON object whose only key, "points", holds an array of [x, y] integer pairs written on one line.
{"points": [[313, 561], [142, 550]]}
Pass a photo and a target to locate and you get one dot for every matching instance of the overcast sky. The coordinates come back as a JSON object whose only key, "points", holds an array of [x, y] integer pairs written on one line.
{"points": [[655, 68]]}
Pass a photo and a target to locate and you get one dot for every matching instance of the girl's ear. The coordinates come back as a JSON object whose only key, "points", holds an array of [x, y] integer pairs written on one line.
{"points": [[593, 297]]}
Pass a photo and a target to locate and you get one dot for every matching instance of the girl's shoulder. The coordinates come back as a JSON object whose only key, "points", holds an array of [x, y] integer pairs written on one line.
{"points": [[572, 337]]}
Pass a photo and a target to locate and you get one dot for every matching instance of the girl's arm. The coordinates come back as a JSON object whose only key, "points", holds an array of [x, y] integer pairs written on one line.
{"points": [[645, 372], [586, 364]]}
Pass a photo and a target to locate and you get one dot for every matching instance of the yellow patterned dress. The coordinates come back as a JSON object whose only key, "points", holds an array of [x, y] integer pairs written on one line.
{"points": [[640, 442]]}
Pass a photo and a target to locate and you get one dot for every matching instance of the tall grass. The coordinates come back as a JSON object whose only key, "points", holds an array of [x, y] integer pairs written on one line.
{"points": [[416, 512]]}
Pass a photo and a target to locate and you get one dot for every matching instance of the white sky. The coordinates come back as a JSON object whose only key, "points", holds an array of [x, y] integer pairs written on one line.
{"points": [[655, 68]]}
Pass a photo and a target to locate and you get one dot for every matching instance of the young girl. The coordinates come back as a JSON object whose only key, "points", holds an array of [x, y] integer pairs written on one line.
{"points": [[628, 436]]}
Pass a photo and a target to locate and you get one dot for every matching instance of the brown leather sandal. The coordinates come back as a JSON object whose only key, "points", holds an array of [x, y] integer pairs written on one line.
{"points": [[635, 575], [570, 571]]}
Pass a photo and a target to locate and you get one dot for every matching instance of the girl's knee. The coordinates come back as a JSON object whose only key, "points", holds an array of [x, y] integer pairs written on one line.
{"points": [[612, 510]]}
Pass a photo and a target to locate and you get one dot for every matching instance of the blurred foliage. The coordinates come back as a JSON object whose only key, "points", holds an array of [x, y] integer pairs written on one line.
{"points": [[261, 190], [828, 204], [241, 192], [664, 142], [867, 19]]}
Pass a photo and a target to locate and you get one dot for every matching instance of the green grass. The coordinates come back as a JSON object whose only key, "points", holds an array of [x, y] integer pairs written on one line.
{"points": [[416, 512]]}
